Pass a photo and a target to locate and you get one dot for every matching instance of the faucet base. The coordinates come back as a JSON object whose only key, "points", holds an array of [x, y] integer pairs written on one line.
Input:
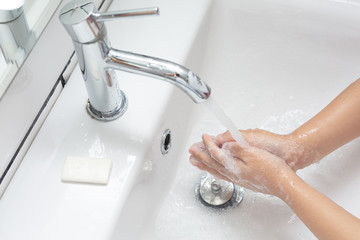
{"points": [[111, 115]]}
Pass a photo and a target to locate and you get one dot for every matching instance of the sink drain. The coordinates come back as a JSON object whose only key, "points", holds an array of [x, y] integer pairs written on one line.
{"points": [[219, 193], [166, 142]]}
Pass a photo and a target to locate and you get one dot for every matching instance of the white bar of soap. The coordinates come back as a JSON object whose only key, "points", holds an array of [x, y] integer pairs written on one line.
{"points": [[86, 170]]}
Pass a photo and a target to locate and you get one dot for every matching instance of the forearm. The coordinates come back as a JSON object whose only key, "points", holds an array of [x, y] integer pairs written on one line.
{"points": [[262, 171], [321, 215], [337, 124]]}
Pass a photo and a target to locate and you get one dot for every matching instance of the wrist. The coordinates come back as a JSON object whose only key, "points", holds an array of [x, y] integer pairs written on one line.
{"points": [[280, 178], [286, 183], [302, 151]]}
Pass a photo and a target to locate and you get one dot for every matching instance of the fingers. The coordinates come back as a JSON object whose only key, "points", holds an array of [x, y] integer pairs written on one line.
{"points": [[197, 163], [213, 149], [227, 156], [234, 150], [209, 159], [199, 146], [255, 137], [220, 160], [201, 153], [226, 161], [252, 136], [223, 138]]}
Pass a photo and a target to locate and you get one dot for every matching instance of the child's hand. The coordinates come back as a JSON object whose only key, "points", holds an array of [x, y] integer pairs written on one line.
{"points": [[251, 167]]}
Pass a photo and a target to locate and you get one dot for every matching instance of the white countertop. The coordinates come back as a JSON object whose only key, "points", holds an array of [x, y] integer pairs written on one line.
{"points": [[37, 205]]}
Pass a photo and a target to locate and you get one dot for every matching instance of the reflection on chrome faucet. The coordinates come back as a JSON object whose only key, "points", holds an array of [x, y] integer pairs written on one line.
{"points": [[97, 60], [16, 39]]}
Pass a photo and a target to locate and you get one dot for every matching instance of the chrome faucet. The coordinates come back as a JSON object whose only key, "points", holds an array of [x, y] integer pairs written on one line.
{"points": [[97, 60], [16, 38]]}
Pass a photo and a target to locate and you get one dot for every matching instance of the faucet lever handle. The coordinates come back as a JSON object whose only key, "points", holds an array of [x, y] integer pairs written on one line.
{"points": [[84, 23], [126, 13]]}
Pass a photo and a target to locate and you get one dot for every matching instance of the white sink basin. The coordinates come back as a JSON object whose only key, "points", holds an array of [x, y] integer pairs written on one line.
{"points": [[271, 64]]}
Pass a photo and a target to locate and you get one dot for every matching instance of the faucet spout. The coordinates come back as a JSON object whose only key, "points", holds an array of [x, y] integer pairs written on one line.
{"points": [[168, 71]]}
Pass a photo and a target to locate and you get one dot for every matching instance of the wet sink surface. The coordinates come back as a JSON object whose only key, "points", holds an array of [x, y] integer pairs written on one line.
{"points": [[271, 65]]}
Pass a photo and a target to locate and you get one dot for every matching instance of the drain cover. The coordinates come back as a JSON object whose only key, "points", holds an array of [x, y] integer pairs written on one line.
{"points": [[219, 193]]}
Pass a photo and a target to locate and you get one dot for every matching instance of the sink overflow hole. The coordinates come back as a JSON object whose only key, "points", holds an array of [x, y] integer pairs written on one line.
{"points": [[166, 142]]}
